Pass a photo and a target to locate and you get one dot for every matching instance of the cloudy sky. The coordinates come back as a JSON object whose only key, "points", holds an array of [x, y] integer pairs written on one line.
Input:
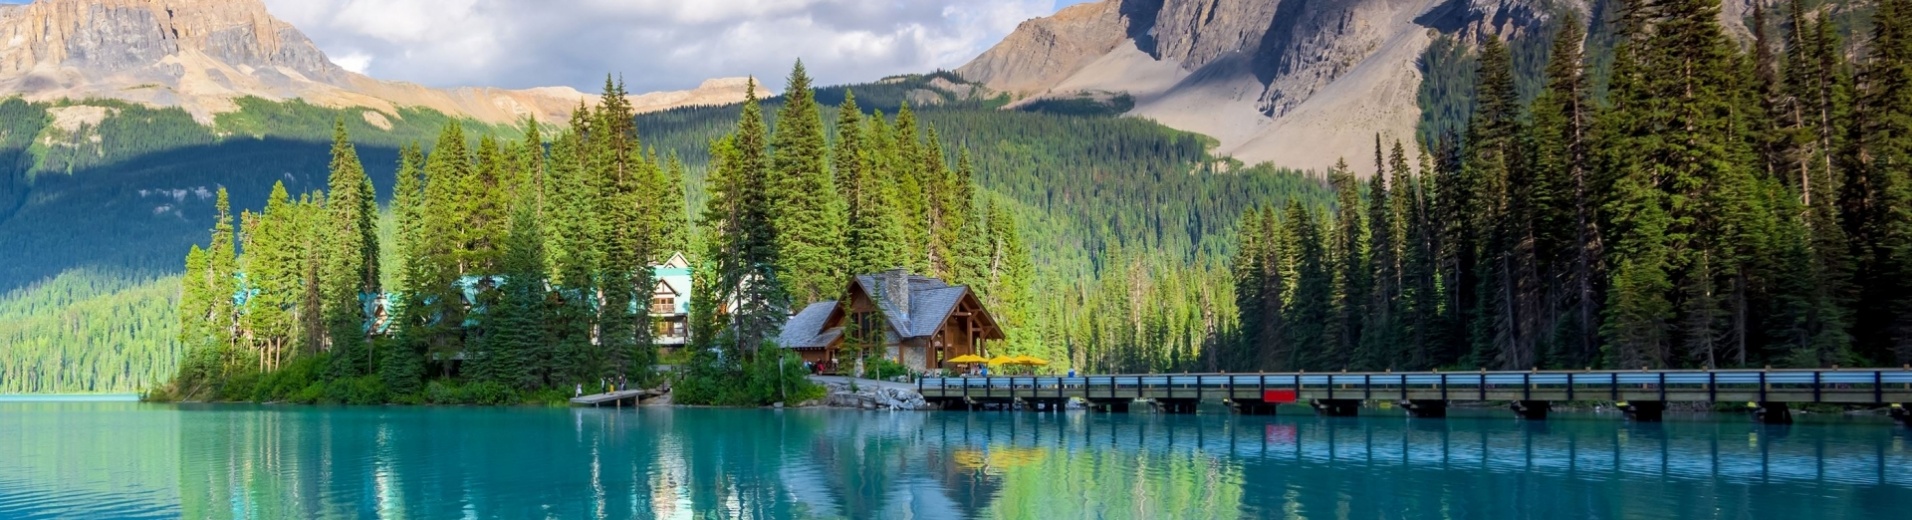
{"points": [[655, 44]]}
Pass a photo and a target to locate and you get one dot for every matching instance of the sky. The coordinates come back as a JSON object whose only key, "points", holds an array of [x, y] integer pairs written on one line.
{"points": [[653, 44]]}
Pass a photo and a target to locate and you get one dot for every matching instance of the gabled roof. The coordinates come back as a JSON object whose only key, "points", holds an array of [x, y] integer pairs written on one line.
{"points": [[667, 286], [930, 303], [931, 306], [805, 329], [895, 315]]}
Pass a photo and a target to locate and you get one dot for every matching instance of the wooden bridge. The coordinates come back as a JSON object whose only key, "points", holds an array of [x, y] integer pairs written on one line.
{"points": [[1642, 394]]}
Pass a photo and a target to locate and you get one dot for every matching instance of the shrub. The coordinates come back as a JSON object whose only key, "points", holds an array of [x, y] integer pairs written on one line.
{"points": [[770, 376], [486, 393], [442, 392], [311, 394], [884, 369]]}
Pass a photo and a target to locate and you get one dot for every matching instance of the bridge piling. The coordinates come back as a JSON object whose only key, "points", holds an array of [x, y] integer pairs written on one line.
{"points": [[1177, 406], [1425, 408], [1771, 413], [1531, 410], [1337, 407], [1643, 411], [1110, 405], [1252, 407]]}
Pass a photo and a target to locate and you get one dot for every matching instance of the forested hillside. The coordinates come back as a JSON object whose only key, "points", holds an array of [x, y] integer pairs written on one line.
{"points": [[1092, 194], [103, 194], [1720, 207]]}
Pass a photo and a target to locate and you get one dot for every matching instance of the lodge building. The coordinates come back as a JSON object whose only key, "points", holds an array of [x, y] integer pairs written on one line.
{"points": [[915, 320]]}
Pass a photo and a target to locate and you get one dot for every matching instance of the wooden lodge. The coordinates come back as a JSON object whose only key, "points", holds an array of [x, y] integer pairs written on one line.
{"points": [[918, 321]]}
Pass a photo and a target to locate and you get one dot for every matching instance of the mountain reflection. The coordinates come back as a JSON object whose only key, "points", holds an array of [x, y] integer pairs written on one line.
{"points": [[289, 462]]}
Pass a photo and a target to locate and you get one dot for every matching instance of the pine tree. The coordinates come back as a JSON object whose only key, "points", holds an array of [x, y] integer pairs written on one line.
{"points": [[807, 209], [517, 332], [1569, 228], [627, 226], [873, 235], [911, 165], [1348, 266], [272, 268], [1009, 274], [969, 246], [744, 246], [1882, 201], [351, 267], [1310, 305]]}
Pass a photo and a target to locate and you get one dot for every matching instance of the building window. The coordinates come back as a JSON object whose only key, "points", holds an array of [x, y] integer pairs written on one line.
{"points": [[663, 305]]}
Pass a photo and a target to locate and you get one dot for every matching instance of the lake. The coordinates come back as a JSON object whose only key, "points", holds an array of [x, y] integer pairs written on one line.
{"points": [[132, 460]]}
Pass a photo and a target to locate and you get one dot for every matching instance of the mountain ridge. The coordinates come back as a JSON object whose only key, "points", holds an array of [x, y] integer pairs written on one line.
{"points": [[1298, 83], [201, 55]]}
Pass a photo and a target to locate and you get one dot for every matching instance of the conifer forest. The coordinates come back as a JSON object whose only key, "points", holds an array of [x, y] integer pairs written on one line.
{"points": [[1642, 188]]}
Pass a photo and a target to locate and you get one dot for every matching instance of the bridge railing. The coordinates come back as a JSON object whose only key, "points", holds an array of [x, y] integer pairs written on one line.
{"points": [[1381, 385]]}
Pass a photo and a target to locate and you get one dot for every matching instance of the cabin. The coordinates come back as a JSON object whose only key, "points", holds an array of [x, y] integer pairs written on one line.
{"points": [[670, 303], [918, 321]]}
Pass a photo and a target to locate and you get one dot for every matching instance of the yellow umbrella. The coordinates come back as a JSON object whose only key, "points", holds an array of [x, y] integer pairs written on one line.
{"points": [[1031, 361], [968, 358], [1002, 360]]}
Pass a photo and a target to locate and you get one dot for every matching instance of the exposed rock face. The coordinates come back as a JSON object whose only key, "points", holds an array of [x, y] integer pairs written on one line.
{"points": [[202, 54], [1301, 83]]}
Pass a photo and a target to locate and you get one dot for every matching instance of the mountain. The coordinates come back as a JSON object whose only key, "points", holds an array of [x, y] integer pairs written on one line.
{"points": [[203, 55], [1301, 83]]}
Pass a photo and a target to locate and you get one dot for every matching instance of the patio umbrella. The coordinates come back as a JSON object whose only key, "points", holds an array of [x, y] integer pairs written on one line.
{"points": [[968, 358], [1002, 360], [1031, 361]]}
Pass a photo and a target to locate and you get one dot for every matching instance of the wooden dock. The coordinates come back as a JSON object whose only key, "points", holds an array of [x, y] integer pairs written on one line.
{"points": [[1643, 394], [618, 398]]}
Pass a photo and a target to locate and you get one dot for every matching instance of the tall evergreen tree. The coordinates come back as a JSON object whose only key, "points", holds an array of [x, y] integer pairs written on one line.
{"points": [[351, 266], [744, 248], [873, 236], [807, 209]]}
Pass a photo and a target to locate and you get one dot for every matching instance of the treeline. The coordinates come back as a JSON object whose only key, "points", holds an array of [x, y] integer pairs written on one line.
{"points": [[528, 263], [1721, 207], [1100, 201], [524, 269], [794, 212], [40, 324]]}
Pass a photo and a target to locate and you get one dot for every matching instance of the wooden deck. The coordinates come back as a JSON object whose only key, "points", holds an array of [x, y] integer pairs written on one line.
{"points": [[618, 398]]}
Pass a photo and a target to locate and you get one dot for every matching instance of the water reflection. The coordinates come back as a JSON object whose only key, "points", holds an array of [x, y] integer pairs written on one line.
{"points": [[274, 462]]}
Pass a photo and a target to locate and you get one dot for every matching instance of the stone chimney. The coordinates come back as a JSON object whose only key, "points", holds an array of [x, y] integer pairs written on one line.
{"points": [[896, 288]]}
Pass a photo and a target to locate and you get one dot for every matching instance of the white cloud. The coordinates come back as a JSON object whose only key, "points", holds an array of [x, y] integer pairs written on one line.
{"points": [[653, 44]]}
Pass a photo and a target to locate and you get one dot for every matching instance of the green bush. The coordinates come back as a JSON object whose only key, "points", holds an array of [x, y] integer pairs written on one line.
{"points": [[311, 394], [771, 376], [442, 392], [884, 369], [486, 393]]}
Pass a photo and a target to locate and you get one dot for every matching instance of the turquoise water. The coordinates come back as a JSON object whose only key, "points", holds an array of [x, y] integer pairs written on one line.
{"points": [[130, 460]]}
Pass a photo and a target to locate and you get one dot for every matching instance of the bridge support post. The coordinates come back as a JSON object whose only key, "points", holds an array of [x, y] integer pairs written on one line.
{"points": [[1337, 407], [1252, 407], [1110, 405], [1176, 406], [1643, 411], [1425, 409], [1772, 413], [1532, 410], [1902, 414]]}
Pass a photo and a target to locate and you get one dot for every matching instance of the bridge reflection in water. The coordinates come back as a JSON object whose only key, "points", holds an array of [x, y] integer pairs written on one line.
{"points": [[139, 461]]}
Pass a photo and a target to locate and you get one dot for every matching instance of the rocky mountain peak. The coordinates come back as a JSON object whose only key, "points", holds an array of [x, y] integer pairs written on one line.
{"points": [[201, 55], [103, 37], [1301, 83]]}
